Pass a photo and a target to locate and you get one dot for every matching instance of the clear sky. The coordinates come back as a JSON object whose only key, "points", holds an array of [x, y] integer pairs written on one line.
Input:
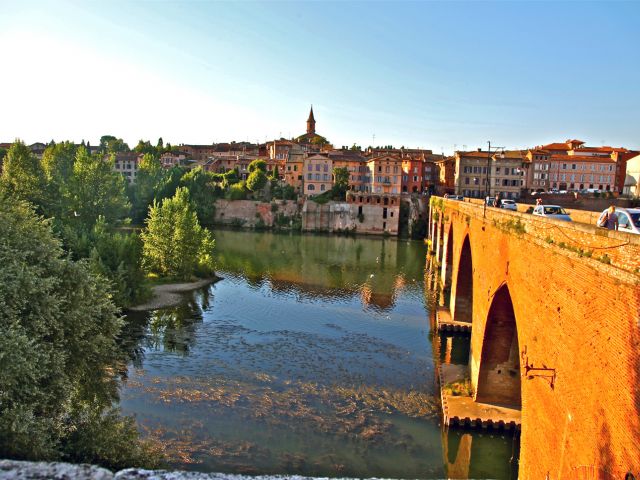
{"points": [[419, 74]]}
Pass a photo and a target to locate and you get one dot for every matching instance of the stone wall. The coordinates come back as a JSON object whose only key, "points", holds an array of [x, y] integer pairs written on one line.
{"points": [[352, 217], [250, 213], [575, 294], [16, 470]]}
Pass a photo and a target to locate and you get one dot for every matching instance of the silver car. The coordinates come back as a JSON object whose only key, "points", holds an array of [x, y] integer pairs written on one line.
{"points": [[554, 212], [628, 219], [508, 204]]}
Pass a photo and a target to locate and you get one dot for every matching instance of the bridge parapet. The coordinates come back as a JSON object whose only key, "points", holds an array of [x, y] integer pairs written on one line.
{"points": [[601, 246]]}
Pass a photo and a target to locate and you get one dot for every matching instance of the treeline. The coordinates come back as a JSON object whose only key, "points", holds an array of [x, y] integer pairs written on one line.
{"points": [[71, 261]]}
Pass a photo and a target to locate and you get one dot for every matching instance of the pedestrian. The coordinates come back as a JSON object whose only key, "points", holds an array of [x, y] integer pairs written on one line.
{"points": [[610, 219], [538, 201], [498, 203]]}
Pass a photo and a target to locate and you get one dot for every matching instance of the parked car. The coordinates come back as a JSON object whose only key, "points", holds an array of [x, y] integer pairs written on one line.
{"points": [[508, 204], [628, 219], [490, 202], [554, 212], [456, 197]]}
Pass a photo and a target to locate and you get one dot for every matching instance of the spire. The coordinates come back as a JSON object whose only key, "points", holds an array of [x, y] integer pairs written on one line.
{"points": [[311, 122]]}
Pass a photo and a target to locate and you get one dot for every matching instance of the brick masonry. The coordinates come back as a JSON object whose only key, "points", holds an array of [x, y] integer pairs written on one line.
{"points": [[577, 313]]}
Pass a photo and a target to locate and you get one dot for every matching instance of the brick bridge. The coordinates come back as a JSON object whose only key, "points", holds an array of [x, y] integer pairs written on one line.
{"points": [[554, 308]]}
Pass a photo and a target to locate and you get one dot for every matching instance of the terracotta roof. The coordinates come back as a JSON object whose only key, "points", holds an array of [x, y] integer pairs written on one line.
{"points": [[556, 146], [582, 158]]}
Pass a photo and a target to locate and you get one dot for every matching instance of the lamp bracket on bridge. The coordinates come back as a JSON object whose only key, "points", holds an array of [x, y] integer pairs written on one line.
{"points": [[531, 371]]}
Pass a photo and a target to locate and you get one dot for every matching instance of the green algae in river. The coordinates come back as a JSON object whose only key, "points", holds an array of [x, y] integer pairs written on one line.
{"points": [[311, 357]]}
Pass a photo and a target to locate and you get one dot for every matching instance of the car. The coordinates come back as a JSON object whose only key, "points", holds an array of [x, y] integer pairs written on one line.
{"points": [[562, 192], [456, 197], [490, 202], [554, 212], [628, 219], [508, 204]]}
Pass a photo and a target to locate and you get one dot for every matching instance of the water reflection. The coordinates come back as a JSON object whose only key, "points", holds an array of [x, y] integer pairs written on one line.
{"points": [[325, 266], [311, 357]]}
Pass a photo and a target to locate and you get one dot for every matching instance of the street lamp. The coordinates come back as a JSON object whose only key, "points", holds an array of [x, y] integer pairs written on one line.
{"points": [[488, 185]]}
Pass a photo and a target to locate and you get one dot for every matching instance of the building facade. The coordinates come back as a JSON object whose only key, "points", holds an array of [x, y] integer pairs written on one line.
{"points": [[318, 174]]}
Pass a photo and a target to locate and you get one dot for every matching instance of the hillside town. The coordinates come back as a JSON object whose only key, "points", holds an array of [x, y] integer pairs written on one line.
{"points": [[307, 162]]}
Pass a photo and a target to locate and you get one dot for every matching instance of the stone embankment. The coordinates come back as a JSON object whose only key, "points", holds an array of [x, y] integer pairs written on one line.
{"points": [[16, 470]]}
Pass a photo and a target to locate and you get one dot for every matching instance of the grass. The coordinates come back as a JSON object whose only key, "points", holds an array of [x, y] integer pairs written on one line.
{"points": [[459, 388]]}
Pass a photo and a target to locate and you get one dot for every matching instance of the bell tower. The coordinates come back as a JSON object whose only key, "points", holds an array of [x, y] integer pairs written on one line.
{"points": [[311, 123]]}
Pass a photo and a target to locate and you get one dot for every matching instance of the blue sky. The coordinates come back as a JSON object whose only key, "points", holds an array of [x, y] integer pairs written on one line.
{"points": [[420, 74]]}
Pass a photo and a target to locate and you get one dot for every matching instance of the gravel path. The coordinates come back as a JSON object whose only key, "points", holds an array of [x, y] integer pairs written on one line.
{"points": [[169, 295]]}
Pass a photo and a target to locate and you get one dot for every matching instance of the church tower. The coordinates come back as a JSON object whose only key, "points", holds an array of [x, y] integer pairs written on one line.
{"points": [[311, 123]]}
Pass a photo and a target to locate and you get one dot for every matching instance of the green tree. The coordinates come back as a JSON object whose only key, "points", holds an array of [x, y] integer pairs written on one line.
{"points": [[58, 352], [257, 165], [57, 164], [95, 189], [203, 192], [174, 243], [111, 144], [276, 173], [145, 147], [340, 183], [22, 174], [256, 180], [148, 183]]}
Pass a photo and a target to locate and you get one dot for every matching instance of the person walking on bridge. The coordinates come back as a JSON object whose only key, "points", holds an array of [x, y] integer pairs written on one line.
{"points": [[610, 220]]}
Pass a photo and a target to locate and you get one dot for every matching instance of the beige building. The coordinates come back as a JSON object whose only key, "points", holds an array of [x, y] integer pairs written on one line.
{"points": [[480, 173], [386, 174], [632, 182], [126, 163], [317, 174]]}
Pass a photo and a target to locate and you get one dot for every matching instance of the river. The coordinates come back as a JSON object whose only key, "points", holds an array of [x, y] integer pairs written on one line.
{"points": [[312, 356]]}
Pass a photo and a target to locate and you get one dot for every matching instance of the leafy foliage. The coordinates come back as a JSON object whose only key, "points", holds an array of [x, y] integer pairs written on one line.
{"points": [[96, 190], [256, 180], [257, 165], [22, 174], [175, 245], [57, 351]]}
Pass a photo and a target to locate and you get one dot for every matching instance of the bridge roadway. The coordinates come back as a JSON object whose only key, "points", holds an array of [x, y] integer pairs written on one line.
{"points": [[555, 315]]}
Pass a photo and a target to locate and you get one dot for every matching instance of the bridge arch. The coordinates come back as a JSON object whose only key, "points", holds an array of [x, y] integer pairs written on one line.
{"points": [[463, 300], [499, 374]]}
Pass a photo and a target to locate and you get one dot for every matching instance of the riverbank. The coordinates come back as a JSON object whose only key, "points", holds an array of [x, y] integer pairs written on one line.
{"points": [[170, 294]]}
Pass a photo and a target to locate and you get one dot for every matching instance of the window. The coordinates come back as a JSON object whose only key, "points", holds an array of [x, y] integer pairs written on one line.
{"points": [[309, 176], [311, 187], [497, 169], [310, 167], [318, 176], [573, 166], [317, 167], [466, 181], [322, 187]]}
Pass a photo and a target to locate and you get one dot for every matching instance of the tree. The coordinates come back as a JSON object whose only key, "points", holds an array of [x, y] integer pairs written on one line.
{"points": [[340, 183], [257, 165], [57, 164], [22, 174], [58, 352], [111, 144], [174, 243], [276, 174], [148, 182], [96, 190], [256, 180], [203, 192]]}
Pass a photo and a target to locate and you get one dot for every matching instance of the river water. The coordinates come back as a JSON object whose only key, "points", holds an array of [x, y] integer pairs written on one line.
{"points": [[312, 356]]}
